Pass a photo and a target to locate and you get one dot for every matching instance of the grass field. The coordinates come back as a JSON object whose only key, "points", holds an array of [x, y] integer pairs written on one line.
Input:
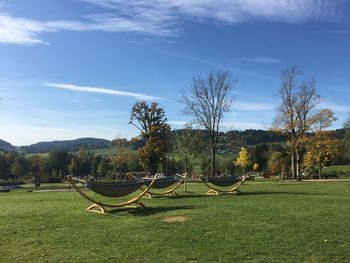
{"points": [[268, 222], [336, 168]]}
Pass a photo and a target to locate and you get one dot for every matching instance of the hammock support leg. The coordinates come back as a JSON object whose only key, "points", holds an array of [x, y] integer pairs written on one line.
{"points": [[212, 192], [96, 208]]}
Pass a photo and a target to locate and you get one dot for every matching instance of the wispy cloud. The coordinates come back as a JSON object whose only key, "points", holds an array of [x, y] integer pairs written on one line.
{"points": [[265, 60], [167, 17], [337, 108], [101, 90], [251, 106], [238, 125]]}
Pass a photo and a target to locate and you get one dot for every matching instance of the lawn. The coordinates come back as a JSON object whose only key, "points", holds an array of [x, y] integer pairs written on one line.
{"points": [[336, 168], [268, 222]]}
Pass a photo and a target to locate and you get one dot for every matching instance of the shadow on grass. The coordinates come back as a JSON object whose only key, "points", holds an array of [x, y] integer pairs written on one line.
{"points": [[276, 193], [155, 210], [182, 196]]}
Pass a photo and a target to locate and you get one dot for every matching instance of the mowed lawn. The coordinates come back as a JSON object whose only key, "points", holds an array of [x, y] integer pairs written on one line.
{"points": [[268, 222]]}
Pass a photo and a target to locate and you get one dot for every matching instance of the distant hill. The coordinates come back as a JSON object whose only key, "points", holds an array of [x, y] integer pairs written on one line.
{"points": [[68, 145], [6, 146]]}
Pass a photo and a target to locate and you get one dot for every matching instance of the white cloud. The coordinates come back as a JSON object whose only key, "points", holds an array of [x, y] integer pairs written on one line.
{"points": [[265, 60], [178, 123], [237, 125], [251, 106], [101, 90], [337, 108], [167, 17]]}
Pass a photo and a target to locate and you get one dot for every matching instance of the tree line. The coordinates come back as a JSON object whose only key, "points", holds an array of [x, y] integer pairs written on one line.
{"points": [[299, 121]]}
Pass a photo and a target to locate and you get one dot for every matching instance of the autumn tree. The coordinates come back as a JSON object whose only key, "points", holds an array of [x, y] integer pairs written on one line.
{"points": [[121, 157], [296, 114], [243, 159], [321, 147], [207, 101], [256, 168], [150, 120], [38, 166], [277, 164]]}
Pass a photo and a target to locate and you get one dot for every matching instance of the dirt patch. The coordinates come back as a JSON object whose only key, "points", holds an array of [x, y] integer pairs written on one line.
{"points": [[172, 219]]}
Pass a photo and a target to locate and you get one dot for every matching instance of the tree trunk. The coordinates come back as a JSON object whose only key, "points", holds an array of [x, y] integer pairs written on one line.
{"points": [[213, 161], [293, 164], [185, 181], [297, 155]]}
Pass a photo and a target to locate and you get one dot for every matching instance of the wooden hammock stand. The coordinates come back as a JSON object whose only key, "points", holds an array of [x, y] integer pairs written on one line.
{"points": [[169, 192], [101, 207], [216, 191]]}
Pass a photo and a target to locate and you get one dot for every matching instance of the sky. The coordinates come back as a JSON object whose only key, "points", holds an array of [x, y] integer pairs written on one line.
{"points": [[74, 68]]}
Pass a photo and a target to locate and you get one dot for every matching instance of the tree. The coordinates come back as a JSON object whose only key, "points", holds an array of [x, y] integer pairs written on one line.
{"points": [[256, 168], [243, 159], [347, 138], [3, 167], [38, 166], [321, 148], [94, 165], [103, 168], [16, 168], [58, 161], [295, 115], [207, 101], [121, 158], [150, 120], [277, 164], [187, 145], [74, 166]]}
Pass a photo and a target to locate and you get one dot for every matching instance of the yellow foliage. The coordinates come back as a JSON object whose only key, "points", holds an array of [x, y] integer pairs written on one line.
{"points": [[243, 159]]}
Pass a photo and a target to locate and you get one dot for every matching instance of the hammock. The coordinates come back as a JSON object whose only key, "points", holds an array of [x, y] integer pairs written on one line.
{"points": [[117, 189], [222, 181], [162, 183]]}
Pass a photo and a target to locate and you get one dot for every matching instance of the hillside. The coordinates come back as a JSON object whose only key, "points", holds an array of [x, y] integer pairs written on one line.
{"points": [[68, 145], [6, 146]]}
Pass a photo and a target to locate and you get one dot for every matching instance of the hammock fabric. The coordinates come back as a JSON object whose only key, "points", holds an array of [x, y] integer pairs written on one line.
{"points": [[162, 183], [117, 189], [222, 181]]}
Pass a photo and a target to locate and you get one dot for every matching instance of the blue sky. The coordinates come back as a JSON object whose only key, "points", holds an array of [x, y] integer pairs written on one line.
{"points": [[74, 68]]}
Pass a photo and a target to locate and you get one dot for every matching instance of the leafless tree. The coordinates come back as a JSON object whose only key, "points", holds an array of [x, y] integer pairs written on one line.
{"points": [[296, 113], [207, 101]]}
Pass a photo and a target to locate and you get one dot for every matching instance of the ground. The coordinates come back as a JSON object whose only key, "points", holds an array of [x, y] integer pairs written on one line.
{"points": [[268, 222]]}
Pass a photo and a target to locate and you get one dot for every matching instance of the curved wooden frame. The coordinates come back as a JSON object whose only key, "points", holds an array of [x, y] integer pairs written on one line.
{"points": [[170, 192], [233, 190], [100, 207]]}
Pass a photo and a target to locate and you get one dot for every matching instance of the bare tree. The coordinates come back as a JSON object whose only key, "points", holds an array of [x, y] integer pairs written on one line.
{"points": [[296, 113], [207, 101]]}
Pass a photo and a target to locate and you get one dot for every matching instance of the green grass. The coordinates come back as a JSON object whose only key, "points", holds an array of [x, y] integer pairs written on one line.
{"points": [[336, 168], [268, 222], [103, 151]]}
